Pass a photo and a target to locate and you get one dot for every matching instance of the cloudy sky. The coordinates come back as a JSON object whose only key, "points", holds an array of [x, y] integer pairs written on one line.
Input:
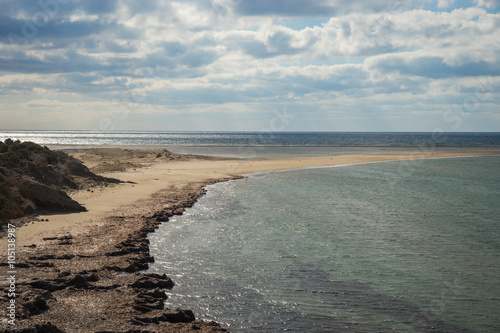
{"points": [[324, 65]]}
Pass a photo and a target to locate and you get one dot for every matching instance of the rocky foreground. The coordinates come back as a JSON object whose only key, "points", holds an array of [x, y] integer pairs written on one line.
{"points": [[95, 282]]}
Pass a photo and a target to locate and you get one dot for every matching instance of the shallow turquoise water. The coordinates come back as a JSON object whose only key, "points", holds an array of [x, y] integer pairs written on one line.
{"points": [[362, 248]]}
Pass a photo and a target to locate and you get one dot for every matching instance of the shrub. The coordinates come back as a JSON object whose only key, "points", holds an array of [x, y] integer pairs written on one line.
{"points": [[16, 154]]}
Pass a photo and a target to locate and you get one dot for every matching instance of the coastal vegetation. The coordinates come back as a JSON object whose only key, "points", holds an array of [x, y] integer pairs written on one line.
{"points": [[33, 177]]}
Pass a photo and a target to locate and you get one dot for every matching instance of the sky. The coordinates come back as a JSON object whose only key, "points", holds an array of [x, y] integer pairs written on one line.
{"points": [[259, 65]]}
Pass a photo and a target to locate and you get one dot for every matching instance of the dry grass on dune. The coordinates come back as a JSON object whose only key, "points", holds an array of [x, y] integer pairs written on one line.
{"points": [[102, 160]]}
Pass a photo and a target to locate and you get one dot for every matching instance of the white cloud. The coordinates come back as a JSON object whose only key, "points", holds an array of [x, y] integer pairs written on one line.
{"points": [[488, 3], [200, 55]]}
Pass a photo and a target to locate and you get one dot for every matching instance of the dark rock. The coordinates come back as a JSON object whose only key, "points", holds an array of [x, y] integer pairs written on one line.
{"points": [[47, 197], [136, 267], [137, 322], [145, 302], [133, 245], [155, 293], [36, 305], [87, 256], [121, 252], [93, 278], [64, 274], [141, 308], [45, 285], [152, 281], [42, 264], [178, 211], [145, 306], [156, 276], [65, 240], [78, 281], [149, 229], [51, 257], [112, 268], [111, 287], [65, 257], [45, 257], [178, 316]]}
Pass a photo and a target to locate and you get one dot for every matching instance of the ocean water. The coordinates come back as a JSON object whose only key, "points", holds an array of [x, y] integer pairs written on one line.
{"points": [[261, 144], [148, 138], [364, 248]]}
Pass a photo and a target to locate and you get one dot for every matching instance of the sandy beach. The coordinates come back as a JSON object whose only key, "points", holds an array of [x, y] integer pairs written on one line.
{"points": [[155, 176], [68, 263]]}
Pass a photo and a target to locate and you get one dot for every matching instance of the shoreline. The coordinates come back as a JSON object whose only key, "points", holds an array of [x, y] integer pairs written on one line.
{"points": [[95, 251], [364, 163], [273, 152], [146, 181]]}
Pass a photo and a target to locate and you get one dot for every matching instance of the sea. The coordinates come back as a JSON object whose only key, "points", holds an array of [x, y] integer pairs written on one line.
{"points": [[360, 248], [261, 144], [399, 246], [77, 137]]}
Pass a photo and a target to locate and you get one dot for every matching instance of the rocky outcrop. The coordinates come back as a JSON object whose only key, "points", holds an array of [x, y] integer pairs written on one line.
{"points": [[45, 197], [152, 281], [169, 316], [33, 177]]}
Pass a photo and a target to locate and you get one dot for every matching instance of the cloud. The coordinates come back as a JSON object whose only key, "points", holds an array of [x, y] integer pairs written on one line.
{"points": [[432, 67], [332, 56], [488, 3], [285, 8], [298, 8]]}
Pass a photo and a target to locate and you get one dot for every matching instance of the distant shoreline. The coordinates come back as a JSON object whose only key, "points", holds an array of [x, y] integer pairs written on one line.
{"points": [[248, 152]]}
